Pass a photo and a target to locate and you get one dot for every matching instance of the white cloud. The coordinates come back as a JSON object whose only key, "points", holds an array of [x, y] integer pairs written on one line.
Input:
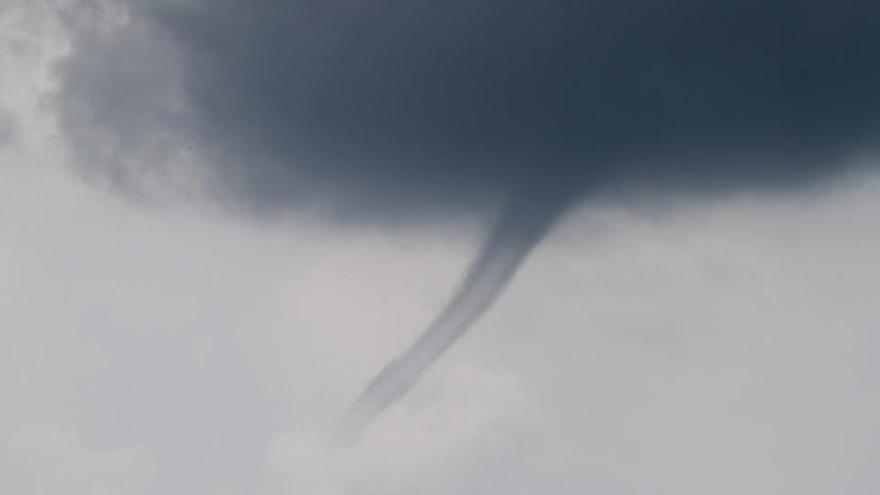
{"points": [[446, 439]]}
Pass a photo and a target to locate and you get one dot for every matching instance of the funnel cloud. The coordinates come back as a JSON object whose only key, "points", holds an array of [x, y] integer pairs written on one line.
{"points": [[520, 227], [417, 111]]}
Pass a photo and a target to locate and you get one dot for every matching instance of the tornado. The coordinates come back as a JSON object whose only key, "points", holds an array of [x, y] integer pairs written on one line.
{"points": [[406, 112], [520, 226]]}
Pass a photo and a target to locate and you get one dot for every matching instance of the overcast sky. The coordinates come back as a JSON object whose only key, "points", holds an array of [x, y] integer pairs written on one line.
{"points": [[154, 340]]}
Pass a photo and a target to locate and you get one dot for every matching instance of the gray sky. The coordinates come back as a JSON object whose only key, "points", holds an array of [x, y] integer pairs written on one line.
{"points": [[692, 346]]}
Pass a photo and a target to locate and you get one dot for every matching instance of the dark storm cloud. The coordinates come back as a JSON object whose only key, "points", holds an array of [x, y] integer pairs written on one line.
{"points": [[399, 104]]}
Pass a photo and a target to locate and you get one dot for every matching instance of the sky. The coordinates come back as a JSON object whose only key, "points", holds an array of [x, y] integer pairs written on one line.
{"points": [[173, 322]]}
